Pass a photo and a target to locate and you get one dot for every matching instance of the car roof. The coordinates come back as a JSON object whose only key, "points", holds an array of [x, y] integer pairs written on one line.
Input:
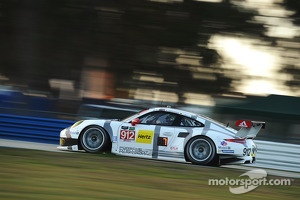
{"points": [[186, 113], [177, 111]]}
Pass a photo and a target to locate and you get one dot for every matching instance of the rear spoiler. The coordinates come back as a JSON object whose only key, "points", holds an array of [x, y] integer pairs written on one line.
{"points": [[249, 128]]}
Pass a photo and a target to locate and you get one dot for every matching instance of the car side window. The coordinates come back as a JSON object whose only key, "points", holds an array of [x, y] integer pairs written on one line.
{"points": [[185, 121], [158, 118]]}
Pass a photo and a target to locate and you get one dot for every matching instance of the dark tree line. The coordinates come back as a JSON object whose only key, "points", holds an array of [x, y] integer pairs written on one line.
{"points": [[42, 39]]}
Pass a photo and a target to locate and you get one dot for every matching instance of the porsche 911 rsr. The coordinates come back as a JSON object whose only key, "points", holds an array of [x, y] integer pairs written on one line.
{"points": [[166, 134]]}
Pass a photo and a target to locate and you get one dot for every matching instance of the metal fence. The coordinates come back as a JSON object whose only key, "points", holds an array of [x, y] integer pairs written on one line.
{"points": [[275, 155], [34, 129]]}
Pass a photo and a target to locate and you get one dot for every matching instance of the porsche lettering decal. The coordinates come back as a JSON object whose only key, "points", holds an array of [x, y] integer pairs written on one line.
{"points": [[132, 150]]}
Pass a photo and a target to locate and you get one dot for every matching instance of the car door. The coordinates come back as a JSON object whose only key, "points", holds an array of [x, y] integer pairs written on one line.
{"points": [[136, 140], [148, 137]]}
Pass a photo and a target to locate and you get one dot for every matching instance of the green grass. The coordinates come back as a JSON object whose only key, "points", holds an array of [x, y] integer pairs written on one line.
{"points": [[30, 174]]}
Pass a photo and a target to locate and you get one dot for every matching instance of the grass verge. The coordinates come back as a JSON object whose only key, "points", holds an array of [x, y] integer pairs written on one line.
{"points": [[31, 174]]}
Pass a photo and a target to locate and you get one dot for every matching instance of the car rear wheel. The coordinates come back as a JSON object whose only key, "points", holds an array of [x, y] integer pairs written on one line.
{"points": [[94, 139], [201, 151]]}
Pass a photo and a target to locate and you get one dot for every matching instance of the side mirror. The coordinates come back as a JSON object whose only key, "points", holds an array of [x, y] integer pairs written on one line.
{"points": [[135, 121]]}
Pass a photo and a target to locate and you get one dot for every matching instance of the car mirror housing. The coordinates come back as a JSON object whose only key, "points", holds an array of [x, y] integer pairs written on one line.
{"points": [[135, 121]]}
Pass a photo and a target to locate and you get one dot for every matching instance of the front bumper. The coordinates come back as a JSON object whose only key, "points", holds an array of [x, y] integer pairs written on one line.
{"points": [[66, 142]]}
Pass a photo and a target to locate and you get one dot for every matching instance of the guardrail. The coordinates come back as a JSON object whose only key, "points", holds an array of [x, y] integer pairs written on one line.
{"points": [[275, 155], [34, 129]]}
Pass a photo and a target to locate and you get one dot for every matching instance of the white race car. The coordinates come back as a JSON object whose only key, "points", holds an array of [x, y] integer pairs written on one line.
{"points": [[166, 134]]}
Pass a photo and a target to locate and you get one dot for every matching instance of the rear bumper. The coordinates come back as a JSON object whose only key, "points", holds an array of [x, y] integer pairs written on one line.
{"points": [[237, 160]]}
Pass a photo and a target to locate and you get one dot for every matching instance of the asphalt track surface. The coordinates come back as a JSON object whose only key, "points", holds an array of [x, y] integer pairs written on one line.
{"points": [[53, 148]]}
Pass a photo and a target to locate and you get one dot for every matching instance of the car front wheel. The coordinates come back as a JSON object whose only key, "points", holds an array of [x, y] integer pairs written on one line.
{"points": [[94, 139], [201, 151]]}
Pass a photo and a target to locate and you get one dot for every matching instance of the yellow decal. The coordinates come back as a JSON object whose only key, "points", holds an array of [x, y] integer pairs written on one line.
{"points": [[145, 136]]}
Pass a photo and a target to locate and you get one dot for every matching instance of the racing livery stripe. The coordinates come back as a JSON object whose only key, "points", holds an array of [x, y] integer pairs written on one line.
{"points": [[179, 155], [155, 146], [108, 128], [206, 127]]}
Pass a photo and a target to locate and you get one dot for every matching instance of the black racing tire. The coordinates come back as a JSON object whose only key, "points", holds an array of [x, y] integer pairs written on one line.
{"points": [[94, 139], [201, 150]]}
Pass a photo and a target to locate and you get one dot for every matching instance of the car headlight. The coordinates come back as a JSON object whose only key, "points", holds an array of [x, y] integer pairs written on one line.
{"points": [[77, 123], [63, 133]]}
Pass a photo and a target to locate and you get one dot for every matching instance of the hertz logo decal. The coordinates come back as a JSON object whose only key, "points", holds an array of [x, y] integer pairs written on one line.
{"points": [[145, 136]]}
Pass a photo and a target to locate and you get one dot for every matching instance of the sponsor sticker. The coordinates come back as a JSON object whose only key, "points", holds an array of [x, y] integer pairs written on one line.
{"points": [[174, 148], [223, 143], [221, 147], [145, 136], [243, 123], [227, 151]]}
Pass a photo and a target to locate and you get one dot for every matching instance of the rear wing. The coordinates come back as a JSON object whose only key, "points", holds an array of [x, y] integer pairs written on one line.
{"points": [[249, 128]]}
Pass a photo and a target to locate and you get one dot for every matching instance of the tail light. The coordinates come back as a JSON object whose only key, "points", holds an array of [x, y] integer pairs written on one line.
{"points": [[237, 140]]}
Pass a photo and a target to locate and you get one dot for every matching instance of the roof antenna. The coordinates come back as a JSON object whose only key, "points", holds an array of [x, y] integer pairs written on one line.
{"points": [[227, 124]]}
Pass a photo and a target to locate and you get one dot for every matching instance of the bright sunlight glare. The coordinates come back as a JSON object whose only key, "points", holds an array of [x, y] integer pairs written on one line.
{"points": [[255, 65]]}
